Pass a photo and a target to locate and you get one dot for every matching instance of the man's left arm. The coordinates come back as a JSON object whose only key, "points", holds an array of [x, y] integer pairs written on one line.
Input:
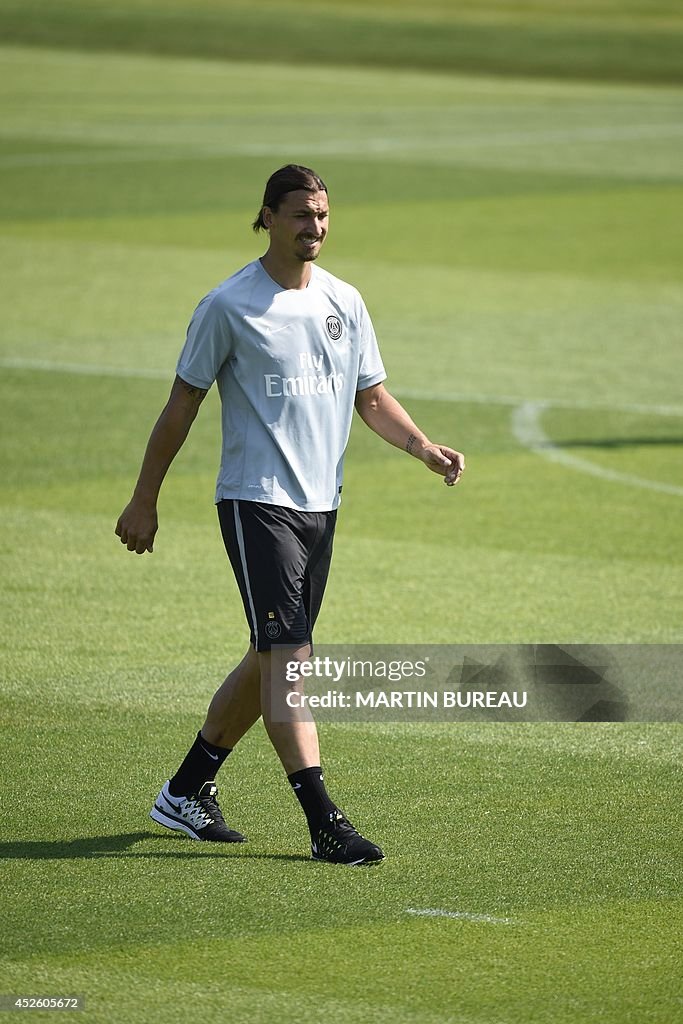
{"points": [[387, 417]]}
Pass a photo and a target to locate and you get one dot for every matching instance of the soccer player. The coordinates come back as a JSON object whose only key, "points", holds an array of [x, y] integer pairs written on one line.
{"points": [[292, 349]]}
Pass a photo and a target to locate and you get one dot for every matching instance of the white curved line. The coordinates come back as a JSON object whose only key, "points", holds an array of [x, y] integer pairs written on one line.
{"points": [[527, 429]]}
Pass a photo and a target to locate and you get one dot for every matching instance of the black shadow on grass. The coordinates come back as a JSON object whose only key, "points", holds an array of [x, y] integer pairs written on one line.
{"points": [[107, 846], [618, 442]]}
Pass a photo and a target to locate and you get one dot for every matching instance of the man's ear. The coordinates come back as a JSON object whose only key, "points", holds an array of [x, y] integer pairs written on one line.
{"points": [[267, 215]]}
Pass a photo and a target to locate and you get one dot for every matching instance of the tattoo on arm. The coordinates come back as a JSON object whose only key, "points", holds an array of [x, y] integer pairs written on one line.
{"points": [[198, 394], [410, 443]]}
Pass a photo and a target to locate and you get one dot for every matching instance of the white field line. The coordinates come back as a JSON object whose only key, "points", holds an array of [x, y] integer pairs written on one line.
{"points": [[458, 398], [460, 915], [86, 369], [527, 429], [390, 144]]}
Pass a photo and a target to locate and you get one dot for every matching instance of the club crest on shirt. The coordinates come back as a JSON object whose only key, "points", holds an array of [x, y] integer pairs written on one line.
{"points": [[273, 630], [334, 327]]}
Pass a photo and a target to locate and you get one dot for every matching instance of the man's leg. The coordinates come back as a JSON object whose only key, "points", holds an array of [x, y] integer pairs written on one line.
{"points": [[187, 802], [294, 736], [236, 704], [292, 732]]}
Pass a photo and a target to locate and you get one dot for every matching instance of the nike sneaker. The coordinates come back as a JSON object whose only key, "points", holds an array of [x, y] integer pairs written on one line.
{"points": [[338, 842], [197, 815]]}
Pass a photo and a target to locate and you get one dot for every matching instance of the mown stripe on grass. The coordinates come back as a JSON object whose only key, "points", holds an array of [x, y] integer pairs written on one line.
{"points": [[460, 397], [377, 146], [501, 42]]}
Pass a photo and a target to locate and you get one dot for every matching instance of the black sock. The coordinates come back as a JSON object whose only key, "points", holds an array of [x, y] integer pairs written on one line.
{"points": [[311, 793], [201, 763]]}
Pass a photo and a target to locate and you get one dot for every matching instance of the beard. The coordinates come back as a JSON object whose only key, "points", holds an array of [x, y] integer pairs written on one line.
{"points": [[308, 254]]}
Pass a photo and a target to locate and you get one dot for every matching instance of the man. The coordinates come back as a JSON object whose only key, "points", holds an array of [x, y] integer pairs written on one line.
{"points": [[292, 349]]}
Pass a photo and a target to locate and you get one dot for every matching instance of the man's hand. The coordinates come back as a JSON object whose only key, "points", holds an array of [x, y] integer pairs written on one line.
{"points": [[137, 526], [445, 461], [138, 522], [388, 418]]}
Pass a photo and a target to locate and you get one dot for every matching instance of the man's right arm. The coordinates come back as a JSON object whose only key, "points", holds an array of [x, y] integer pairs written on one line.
{"points": [[138, 522]]}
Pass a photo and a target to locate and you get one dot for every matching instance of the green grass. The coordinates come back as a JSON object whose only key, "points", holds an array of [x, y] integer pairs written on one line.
{"points": [[633, 41], [515, 241], [530, 828]]}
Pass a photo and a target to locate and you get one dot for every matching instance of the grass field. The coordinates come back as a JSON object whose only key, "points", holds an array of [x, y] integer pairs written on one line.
{"points": [[623, 40], [515, 239]]}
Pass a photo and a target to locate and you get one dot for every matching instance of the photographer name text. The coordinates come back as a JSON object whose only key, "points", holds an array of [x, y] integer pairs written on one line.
{"points": [[406, 699]]}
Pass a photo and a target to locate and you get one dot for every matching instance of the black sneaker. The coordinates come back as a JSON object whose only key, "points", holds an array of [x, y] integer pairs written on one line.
{"points": [[338, 842], [197, 815]]}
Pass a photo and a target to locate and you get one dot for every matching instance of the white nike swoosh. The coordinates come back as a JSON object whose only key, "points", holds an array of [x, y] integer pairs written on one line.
{"points": [[276, 330], [296, 785], [214, 756]]}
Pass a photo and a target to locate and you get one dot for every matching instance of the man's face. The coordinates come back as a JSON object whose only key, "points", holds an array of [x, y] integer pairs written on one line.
{"points": [[299, 226]]}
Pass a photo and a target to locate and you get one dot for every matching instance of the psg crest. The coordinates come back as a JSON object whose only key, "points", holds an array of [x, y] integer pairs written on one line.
{"points": [[334, 327]]}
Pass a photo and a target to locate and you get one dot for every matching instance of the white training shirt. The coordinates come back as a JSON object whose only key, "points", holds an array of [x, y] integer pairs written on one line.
{"points": [[288, 363]]}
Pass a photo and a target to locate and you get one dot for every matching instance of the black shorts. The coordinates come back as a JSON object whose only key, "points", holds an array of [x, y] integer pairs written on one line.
{"points": [[281, 560]]}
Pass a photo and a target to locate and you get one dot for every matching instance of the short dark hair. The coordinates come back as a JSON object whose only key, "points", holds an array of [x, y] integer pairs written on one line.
{"points": [[290, 178]]}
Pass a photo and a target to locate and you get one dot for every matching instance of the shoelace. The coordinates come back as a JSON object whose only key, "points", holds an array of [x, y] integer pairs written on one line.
{"points": [[209, 805], [341, 824]]}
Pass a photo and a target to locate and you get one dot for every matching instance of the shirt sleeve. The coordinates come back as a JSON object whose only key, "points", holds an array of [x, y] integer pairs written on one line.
{"points": [[208, 344], [371, 368]]}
